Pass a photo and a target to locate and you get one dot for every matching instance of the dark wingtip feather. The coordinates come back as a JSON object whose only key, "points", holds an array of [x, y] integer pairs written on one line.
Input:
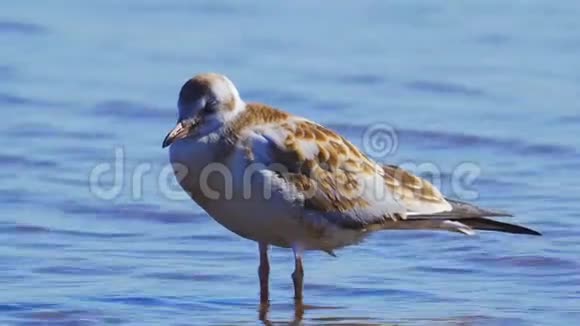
{"points": [[481, 223], [464, 209], [534, 232]]}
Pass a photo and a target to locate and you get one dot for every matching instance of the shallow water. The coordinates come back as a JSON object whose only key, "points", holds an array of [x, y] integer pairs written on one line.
{"points": [[490, 86]]}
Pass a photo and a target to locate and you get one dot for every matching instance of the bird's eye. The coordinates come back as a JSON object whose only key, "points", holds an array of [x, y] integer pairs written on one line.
{"points": [[210, 106]]}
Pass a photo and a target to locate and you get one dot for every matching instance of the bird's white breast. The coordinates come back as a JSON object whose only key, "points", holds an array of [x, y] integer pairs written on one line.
{"points": [[244, 197]]}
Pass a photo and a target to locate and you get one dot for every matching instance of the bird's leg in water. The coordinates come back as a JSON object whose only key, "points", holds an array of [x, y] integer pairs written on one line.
{"points": [[264, 273], [298, 274]]}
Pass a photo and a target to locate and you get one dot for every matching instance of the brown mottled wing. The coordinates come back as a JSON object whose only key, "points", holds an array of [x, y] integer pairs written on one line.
{"points": [[324, 166], [341, 182], [418, 195], [331, 175]]}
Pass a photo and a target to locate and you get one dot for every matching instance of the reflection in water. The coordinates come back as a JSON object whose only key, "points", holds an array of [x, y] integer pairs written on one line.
{"points": [[263, 313], [299, 308], [299, 311], [333, 318]]}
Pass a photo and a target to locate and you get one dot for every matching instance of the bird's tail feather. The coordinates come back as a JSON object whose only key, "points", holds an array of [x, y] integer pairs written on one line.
{"points": [[466, 226], [480, 223], [464, 218]]}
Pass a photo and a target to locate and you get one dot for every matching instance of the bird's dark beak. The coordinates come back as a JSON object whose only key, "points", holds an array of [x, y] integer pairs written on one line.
{"points": [[180, 131]]}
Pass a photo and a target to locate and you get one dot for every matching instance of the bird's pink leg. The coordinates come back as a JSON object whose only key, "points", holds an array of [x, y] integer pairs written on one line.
{"points": [[298, 275], [264, 273]]}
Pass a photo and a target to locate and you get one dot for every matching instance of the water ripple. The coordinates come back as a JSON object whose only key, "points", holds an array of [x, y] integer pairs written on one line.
{"points": [[185, 276], [21, 101], [16, 27], [445, 139], [22, 306], [361, 79], [82, 271], [444, 88], [130, 211], [43, 131], [24, 161], [527, 261], [72, 317], [569, 119]]}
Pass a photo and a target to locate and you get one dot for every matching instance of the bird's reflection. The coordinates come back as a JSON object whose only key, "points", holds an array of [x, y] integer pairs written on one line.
{"points": [[263, 313], [299, 310]]}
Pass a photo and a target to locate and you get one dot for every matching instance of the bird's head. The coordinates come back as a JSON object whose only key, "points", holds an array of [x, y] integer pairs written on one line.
{"points": [[206, 103]]}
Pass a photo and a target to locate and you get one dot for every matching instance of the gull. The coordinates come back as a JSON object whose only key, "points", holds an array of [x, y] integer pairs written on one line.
{"points": [[283, 180]]}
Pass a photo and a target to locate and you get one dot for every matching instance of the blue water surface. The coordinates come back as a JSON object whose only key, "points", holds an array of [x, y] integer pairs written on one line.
{"points": [[491, 87]]}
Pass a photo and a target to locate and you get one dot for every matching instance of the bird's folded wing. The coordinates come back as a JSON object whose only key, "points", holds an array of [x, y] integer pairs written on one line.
{"points": [[418, 195], [337, 180]]}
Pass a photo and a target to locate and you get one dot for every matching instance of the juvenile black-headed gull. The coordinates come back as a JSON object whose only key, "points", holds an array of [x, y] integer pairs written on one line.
{"points": [[283, 180]]}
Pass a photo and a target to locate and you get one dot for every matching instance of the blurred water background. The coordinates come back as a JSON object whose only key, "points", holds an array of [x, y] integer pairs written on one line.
{"points": [[491, 83]]}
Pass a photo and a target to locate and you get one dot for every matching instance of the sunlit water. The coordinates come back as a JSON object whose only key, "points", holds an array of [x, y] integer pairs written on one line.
{"points": [[495, 85]]}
